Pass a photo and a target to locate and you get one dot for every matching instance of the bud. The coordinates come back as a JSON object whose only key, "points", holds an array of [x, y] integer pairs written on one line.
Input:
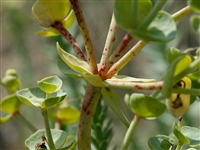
{"points": [[178, 104]]}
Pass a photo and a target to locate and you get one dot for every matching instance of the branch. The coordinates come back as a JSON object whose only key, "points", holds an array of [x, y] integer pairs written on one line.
{"points": [[85, 34], [59, 26]]}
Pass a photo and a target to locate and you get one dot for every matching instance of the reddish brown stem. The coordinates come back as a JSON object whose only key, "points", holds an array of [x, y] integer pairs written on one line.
{"points": [[85, 34], [59, 26], [115, 55], [87, 113]]}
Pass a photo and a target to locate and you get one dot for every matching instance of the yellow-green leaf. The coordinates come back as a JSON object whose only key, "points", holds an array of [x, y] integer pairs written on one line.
{"points": [[94, 79], [73, 62]]}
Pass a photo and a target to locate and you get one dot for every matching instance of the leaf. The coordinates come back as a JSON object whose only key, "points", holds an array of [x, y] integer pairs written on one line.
{"points": [[125, 78], [67, 115], [194, 4], [54, 98], [73, 62], [54, 32], [59, 137], [113, 101], [11, 83], [50, 84], [194, 76], [193, 134], [178, 65], [195, 21], [161, 29], [64, 68], [130, 13], [94, 79], [31, 96], [173, 53], [180, 136], [145, 106], [36, 97], [6, 118], [10, 104], [154, 143]]}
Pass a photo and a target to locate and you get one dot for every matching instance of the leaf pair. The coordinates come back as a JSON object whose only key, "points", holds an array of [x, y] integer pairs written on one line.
{"points": [[37, 96]]}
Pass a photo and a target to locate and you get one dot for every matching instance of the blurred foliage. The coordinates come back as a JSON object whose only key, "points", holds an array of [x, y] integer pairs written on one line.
{"points": [[35, 58]]}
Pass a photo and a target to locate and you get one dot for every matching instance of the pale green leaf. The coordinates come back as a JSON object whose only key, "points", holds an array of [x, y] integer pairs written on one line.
{"points": [[161, 29], [180, 136], [113, 101], [73, 62], [195, 21], [129, 14], [193, 134], [50, 84], [59, 137], [145, 106], [94, 79], [10, 104]]}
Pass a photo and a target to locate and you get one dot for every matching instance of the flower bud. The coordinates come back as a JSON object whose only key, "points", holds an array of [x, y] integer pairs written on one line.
{"points": [[178, 103]]}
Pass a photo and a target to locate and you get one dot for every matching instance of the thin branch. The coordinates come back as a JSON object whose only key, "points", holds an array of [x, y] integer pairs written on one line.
{"points": [[85, 34], [59, 26], [116, 54], [109, 41], [125, 59]]}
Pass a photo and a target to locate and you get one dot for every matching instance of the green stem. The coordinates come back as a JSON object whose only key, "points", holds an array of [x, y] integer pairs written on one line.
{"points": [[59, 26], [152, 14], [182, 13], [178, 147], [192, 67], [47, 128], [87, 113], [109, 41], [129, 133], [125, 59], [149, 86], [85, 34], [25, 121], [115, 55]]}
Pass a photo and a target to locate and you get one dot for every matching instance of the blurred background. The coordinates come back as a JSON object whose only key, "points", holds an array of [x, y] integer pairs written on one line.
{"points": [[35, 58]]}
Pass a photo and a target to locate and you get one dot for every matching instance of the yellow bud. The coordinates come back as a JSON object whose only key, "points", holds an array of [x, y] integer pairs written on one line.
{"points": [[178, 104]]}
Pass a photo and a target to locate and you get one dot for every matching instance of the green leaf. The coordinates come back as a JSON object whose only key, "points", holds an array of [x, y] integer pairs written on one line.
{"points": [[193, 134], [178, 65], [194, 4], [36, 97], [154, 143], [194, 76], [73, 62], [130, 13], [195, 21], [65, 115], [173, 53], [31, 96], [50, 84], [11, 83], [54, 32], [59, 137], [94, 79], [180, 136], [6, 118], [113, 101], [165, 144], [54, 98], [10, 104], [125, 78], [145, 106], [161, 29], [64, 68]]}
